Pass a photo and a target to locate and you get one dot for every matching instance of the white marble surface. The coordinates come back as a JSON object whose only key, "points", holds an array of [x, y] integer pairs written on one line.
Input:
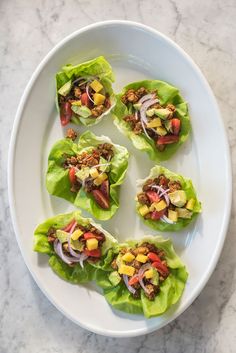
{"points": [[28, 30]]}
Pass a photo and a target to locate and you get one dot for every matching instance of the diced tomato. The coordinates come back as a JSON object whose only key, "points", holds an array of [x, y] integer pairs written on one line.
{"points": [[65, 113], [107, 103], [101, 200], [133, 280], [93, 253], [72, 175], [105, 189], [168, 139], [85, 100], [90, 235], [161, 268], [175, 126], [153, 197], [155, 215], [154, 257], [69, 226]]}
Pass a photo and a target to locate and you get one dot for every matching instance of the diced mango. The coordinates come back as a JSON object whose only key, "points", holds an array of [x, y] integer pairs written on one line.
{"points": [[100, 179], [142, 258], [161, 131], [92, 244], [149, 273], [190, 204], [98, 98], [94, 173], [78, 103], [161, 205], [154, 123], [144, 210], [128, 257], [126, 270], [96, 86], [173, 215], [76, 234]]}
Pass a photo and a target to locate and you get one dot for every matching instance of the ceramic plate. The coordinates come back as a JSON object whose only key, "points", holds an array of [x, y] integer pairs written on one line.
{"points": [[135, 52]]}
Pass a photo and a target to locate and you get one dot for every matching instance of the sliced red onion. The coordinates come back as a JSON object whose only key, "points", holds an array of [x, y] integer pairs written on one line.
{"points": [[59, 251], [87, 79], [167, 220], [83, 257], [130, 288], [73, 227], [162, 192], [143, 268], [143, 126], [87, 91], [147, 97], [100, 165], [145, 106], [72, 252]]}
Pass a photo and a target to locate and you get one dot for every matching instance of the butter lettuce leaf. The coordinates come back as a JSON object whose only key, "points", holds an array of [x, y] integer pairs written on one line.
{"points": [[166, 94], [98, 67], [189, 189], [57, 179]]}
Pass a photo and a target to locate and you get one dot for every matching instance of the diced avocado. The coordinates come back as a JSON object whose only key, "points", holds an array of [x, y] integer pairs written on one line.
{"points": [[100, 179], [184, 213], [77, 245], [161, 131], [141, 258], [156, 122], [96, 86], [105, 167], [128, 257], [190, 204], [150, 112], [126, 270], [114, 278], [77, 103], [94, 173], [155, 277], [98, 98], [62, 235], [76, 234], [83, 173], [149, 273], [161, 205], [167, 124], [137, 106], [65, 89], [173, 215], [143, 210], [83, 111], [92, 244], [162, 113], [178, 198]]}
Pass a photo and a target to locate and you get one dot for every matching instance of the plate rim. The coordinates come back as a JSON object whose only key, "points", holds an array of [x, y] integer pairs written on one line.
{"points": [[10, 175]]}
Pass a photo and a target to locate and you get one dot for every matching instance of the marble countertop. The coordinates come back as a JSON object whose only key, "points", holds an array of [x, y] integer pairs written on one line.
{"points": [[28, 30]]}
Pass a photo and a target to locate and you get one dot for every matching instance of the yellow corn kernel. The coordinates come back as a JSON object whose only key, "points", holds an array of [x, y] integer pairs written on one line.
{"points": [[143, 210], [173, 215], [141, 258], [149, 273], [100, 179], [96, 86], [128, 257], [161, 205], [154, 123], [94, 173], [190, 204], [126, 270], [92, 244], [98, 98], [76, 234]]}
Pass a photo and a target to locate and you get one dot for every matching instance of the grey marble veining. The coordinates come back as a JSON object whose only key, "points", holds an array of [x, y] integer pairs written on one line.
{"points": [[28, 30]]}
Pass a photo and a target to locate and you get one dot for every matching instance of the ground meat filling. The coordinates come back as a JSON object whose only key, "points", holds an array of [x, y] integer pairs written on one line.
{"points": [[161, 123], [96, 180], [144, 263]]}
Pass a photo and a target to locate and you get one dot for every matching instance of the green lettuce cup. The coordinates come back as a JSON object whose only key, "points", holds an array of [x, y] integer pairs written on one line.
{"points": [[146, 277], [154, 116], [88, 173], [76, 246], [84, 92], [166, 201]]}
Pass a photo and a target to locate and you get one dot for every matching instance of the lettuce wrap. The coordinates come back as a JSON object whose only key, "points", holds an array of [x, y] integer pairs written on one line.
{"points": [[159, 128], [133, 298], [84, 92], [166, 201], [114, 169], [58, 229]]}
